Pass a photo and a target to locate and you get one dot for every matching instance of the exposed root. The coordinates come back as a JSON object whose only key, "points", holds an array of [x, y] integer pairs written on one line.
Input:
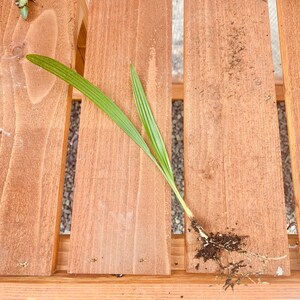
{"points": [[231, 281], [214, 244]]}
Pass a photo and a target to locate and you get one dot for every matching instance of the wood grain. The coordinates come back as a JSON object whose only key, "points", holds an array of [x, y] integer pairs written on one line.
{"points": [[280, 91], [80, 51], [121, 216], [289, 22], [178, 93], [33, 110], [177, 286], [177, 87], [233, 170], [177, 253], [83, 12]]}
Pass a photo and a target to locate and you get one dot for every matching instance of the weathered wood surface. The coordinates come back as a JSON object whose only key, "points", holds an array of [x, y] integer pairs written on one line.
{"points": [[289, 24], [177, 286], [121, 216], [177, 253], [33, 110], [233, 170], [178, 93]]}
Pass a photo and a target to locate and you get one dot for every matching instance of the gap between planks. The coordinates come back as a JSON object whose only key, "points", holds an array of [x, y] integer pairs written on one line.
{"points": [[288, 24], [177, 92], [177, 252]]}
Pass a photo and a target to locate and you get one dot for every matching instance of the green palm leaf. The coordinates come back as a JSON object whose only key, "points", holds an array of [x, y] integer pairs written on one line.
{"points": [[149, 123], [94, 94], [116, 114], [154, 135]]}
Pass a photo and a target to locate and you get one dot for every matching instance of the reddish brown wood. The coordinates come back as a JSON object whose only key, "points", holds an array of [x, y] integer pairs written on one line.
{"points": [[233, 176], [121, 216], [289, 22], [177, 286], [177, 253], [33, 117]]}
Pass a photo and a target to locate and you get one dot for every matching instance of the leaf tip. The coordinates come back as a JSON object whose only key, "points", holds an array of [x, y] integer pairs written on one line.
{"points": [[132, 69], [30, 56], [34, 58]]}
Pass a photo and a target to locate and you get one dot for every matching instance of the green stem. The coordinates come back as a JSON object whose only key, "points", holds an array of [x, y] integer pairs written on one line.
{"points": [[175, 189]]}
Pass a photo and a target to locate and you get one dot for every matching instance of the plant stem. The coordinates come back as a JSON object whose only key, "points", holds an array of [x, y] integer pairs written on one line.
{"points": [[173, 186], [182, 202]]}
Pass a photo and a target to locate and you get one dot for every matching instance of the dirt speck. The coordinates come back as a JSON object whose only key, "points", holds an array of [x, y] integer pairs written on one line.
{"points": [[236, 48]]}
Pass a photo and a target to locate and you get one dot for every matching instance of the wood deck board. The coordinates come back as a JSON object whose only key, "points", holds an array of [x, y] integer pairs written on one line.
{"points": [[289, 23], [33, 116], [177, 253], [178, 94], [177, 286], [121, 200], [233, 176]]}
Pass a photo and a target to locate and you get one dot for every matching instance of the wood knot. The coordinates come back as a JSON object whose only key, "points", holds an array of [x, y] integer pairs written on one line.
{"points": [[18, 51]]}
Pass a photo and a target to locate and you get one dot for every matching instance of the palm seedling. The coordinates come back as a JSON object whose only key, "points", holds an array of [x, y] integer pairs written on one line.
{"points": [[159, 156], [213, 244]]}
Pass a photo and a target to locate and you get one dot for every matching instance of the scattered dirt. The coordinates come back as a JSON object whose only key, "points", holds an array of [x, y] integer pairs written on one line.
{"points": [[216, 243], [236, 49], [213, 245]]}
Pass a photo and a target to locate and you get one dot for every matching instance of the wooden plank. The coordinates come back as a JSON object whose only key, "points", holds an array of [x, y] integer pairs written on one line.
{"points": [[233, 170], [177, 87], [83, 7], [33, 110], [177, 286], [279, 89], [177, 91], [76, 95], [81, 41], [294, 252], [177, 253], [178, 94], [289, 22], [121, 199], [79, 64]]}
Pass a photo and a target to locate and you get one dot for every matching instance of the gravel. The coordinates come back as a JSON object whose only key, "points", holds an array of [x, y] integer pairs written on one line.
{"points": [[177, 165], [287, 171], [66, 218]]}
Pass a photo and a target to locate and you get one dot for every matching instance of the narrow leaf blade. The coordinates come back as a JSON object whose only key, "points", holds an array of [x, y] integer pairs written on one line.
{"points": [[94, 94], [149, 123], [114, 112]]}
